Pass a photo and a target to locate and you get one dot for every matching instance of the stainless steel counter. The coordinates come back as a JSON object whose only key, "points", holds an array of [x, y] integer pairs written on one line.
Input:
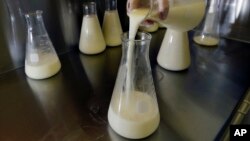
{"points": [[195, 104]]}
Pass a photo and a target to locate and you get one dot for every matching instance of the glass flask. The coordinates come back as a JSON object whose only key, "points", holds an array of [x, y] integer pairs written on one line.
{"points": [[133, 111], [207, 33], [41, 60], [111, 26], [91, 38]]}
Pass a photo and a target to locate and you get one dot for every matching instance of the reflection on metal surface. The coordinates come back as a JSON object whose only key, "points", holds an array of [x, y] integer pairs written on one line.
{"points": [[13, 31], [179, 102], [235, 19], [229, 18], [60, 118], [48, 92], [75, 135], [164, 132], [242, 112], [94, 66], [68, 20]]}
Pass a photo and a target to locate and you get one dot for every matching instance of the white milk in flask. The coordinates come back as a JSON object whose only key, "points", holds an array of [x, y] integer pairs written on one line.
{"points": [[91, 38], [41, 60], [111, 26]]}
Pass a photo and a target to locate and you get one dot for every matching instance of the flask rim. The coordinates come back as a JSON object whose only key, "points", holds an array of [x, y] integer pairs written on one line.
{"points": [[147, 36], [33, 13], [89, 8]]}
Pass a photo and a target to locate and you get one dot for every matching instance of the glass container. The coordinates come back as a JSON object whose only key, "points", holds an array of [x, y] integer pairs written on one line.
{"points": [[111, 26], [41, 60], [133, 111], [178, 16], [91, 38], [207, 33]]}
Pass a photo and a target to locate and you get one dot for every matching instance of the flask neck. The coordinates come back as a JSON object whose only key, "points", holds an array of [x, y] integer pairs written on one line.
{"points": [[111, 5], [136, 48], [89, 8], [35, 23]]}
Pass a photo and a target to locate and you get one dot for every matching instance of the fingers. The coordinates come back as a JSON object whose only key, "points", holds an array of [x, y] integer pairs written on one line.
{"points": [[163, 8], [163, 5], [132, 4]]}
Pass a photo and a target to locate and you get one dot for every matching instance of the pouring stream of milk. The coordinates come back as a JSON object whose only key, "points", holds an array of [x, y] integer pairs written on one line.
{"points": [[136, 16]]}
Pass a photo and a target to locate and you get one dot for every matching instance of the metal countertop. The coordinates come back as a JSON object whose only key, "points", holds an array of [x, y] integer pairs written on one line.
{"points": [[195, 104]]}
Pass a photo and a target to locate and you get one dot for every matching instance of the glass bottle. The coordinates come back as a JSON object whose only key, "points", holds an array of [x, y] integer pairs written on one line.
{"points": [[133, 111], [91, 38], [111, 26], [207, 33], [41, 60]]}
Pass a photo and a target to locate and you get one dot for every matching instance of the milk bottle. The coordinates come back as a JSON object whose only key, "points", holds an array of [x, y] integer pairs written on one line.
{"points": [[111, 26], [91, 39]]}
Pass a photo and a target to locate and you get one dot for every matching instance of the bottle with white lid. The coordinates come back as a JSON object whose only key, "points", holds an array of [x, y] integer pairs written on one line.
{"points": [[111, 26], [91, 39]]}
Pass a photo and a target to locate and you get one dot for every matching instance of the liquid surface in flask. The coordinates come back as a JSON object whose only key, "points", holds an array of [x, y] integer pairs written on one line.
{"points": [[139, 119]]}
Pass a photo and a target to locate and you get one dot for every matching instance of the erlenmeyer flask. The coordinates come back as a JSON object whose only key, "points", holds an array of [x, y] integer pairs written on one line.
{"points": [[41, 60], [207, 33], [133, 111], [91, 39], [111, 26]]}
